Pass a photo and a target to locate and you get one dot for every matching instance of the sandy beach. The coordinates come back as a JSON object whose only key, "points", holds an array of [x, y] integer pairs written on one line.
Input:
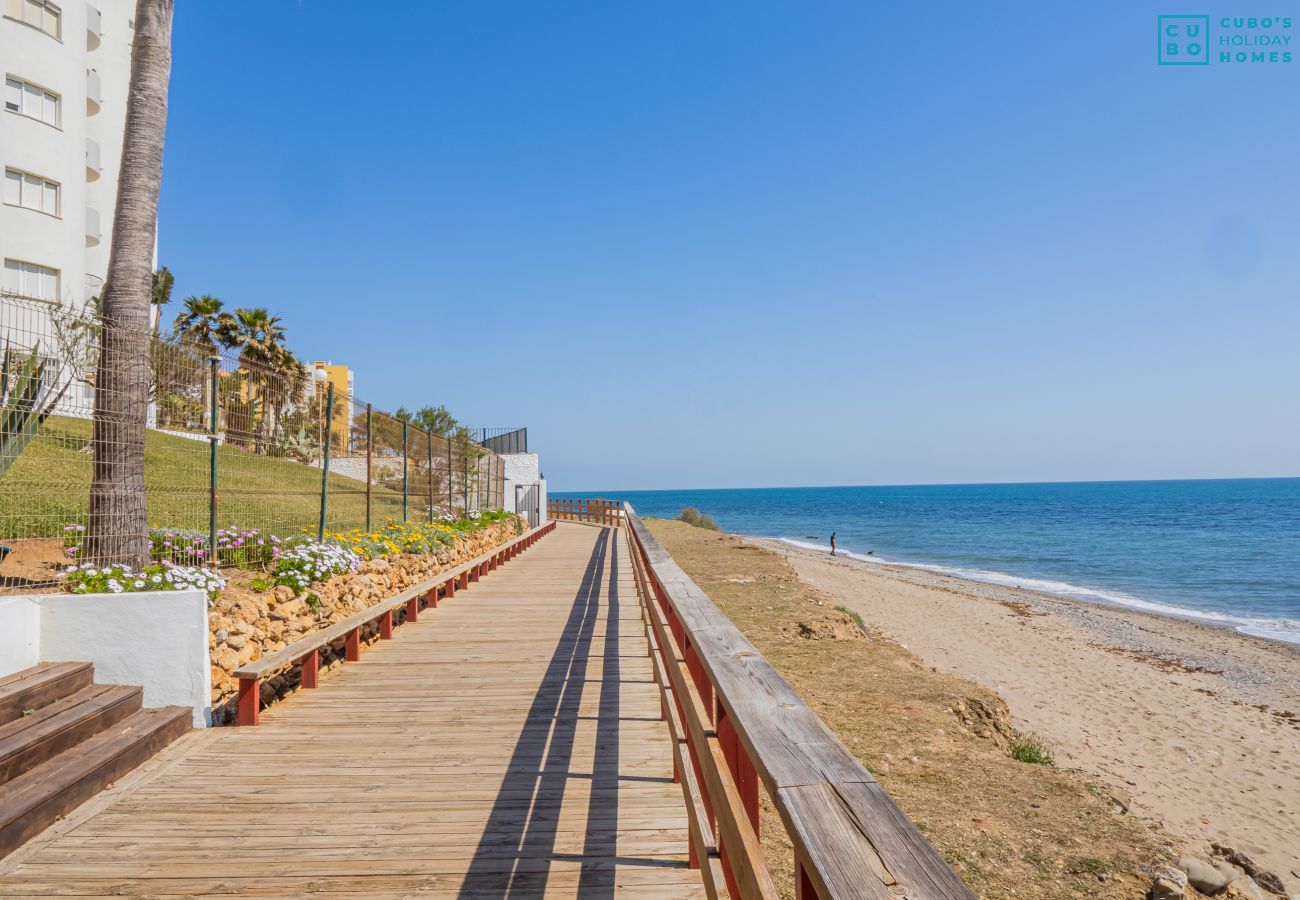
{"points": [[1198, 726]]}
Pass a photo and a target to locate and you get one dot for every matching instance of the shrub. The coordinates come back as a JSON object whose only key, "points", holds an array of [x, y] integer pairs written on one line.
{"points": [[309, 562], [92, 579], [1030, 748], [692, 516]]}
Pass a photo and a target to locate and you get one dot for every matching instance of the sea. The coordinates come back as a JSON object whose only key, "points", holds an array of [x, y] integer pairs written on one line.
{"points": [[1224, 551]]}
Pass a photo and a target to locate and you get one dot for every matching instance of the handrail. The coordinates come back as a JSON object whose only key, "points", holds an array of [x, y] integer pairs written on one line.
{"points": [[596, 510], [307, 648], [738, 722]]}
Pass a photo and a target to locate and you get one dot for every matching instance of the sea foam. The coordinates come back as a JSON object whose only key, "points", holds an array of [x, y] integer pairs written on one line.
{"points": [[1276, 629]]}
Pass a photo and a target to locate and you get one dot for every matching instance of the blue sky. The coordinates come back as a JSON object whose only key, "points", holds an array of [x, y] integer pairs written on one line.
{"points": [[761, 243]]}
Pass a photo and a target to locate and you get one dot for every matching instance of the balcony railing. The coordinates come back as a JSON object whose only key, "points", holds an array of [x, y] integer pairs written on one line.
{"points": [[93, 92], [92, 226], [93, 165], [93, 25]]}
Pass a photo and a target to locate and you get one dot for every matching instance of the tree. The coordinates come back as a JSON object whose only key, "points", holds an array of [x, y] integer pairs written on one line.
{"points": [[260, 337], [435, 420], [119, 526], [162, 294], [203, 322]]}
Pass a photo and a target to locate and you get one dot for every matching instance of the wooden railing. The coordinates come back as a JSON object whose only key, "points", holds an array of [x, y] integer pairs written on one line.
{"points": [[736, 723], [596, 511], [306, 650]]}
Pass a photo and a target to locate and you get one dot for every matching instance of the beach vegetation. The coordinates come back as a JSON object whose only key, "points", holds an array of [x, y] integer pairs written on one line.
{"points": [[1030, 748], [692, 516], [854, 615]]}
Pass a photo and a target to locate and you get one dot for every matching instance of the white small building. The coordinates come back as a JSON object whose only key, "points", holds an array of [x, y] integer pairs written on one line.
{"points": [[525, 489]]}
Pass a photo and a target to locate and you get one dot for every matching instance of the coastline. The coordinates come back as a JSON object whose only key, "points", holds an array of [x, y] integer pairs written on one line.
{"points": [[1198, 723]]}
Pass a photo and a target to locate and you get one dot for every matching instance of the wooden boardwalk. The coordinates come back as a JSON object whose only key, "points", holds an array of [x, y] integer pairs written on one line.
{"points": [[506, 744]]}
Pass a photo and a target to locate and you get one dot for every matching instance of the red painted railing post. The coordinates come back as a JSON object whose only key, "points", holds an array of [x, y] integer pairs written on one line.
{"points": [[413, 609], [352, 646], [803, 886], [311, 669], [386, 626], [450, 588], [250, 700], [431, 598]]}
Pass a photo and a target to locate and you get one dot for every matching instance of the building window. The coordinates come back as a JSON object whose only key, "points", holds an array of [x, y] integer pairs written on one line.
{"points": [[31, 192], [37, 13], [30, 280], [30, 100]]}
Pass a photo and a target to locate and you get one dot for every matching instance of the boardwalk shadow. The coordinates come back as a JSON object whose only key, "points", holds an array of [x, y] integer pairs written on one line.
{"points": [[518, 845]]}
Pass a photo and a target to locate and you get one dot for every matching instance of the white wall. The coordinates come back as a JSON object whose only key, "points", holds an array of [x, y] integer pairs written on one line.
{"points": [[20, 634], [156, 640]]}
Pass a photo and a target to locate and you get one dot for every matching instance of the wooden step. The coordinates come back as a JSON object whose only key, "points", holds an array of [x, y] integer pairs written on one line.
{"points": [[40, 686], [54, 788], [31, 740]]}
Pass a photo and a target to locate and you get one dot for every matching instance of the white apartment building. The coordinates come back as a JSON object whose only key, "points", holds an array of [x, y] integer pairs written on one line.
{"points": [[66, 69]]}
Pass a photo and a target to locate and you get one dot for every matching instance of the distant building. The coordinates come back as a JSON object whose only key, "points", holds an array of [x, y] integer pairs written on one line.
{"points": [[341, 378], [66, 69]]}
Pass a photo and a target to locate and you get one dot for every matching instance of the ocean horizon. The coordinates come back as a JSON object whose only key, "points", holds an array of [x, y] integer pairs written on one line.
{"points": [[1223, 551]]}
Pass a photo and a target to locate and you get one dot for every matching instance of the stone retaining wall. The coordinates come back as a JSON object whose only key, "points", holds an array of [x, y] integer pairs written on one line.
{"points": [[246, 624]]}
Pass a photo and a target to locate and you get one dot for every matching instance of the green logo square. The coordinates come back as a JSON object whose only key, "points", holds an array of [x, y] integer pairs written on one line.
{"points": [[1183, 40]]}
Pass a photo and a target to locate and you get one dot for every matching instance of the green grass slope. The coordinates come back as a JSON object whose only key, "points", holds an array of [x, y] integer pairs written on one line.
{"points": [[49, 484]]}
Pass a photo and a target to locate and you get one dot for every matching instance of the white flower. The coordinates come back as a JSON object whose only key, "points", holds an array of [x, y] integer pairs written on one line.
{"points": [[138, 584]]}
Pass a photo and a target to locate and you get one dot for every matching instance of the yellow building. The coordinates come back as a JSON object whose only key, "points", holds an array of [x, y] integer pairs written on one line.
{"points": [[341, 378]]}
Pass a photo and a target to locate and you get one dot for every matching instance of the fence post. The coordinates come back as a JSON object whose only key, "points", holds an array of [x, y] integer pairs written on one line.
{"points": [[451, 499], [465, 467], [429, 435], [325, 463], [406, 464], [214, 375], [370, 454]]}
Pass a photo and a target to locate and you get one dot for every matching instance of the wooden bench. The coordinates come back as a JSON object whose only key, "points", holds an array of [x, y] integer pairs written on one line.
{"points": [[306, 649]]}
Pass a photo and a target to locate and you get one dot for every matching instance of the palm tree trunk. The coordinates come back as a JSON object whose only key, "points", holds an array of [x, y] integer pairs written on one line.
{"points": [[119, 528]]}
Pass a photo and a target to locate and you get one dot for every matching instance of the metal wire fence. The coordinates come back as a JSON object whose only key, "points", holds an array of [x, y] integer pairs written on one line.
{"points": [[242, 446]]}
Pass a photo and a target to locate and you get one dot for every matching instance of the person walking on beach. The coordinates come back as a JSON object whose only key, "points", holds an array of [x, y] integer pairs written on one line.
{"points": [[832, 543]]}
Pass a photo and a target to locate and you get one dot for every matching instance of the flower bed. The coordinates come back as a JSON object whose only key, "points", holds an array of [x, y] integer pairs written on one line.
{"points": [[254, 616]]}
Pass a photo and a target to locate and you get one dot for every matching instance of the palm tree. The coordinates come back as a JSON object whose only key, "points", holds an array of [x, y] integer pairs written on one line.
{"points": [[260, 337], [202, 322], [162, 293], [119, 524], [286, 387]]}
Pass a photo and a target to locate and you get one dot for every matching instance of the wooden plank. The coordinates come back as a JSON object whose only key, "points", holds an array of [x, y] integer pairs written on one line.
{"points": [[510, 745], [285, 656], [41, 685], [29, 741], [841, 822]]}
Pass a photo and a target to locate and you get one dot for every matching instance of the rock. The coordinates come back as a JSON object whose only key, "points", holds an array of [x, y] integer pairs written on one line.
{"points": [[226, 659], [1120, 801], [1265, 879], [236, 641], [1169, 884], [282, 594], [220, 634], [243, 627], [1203, 876], [1244, 888], [248, 654]]}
